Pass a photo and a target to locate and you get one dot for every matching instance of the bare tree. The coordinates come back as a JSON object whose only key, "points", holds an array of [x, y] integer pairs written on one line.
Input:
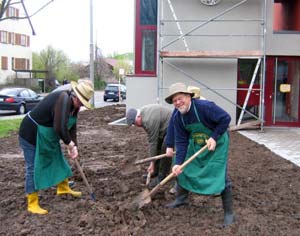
{"points": [[4, 7]]}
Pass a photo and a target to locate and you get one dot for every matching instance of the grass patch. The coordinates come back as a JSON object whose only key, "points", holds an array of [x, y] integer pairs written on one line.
{"points": [[8, 126]]}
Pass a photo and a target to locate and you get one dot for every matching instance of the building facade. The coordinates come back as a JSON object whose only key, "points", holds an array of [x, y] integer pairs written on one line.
{"points": [[15, 52], [243, 54]]}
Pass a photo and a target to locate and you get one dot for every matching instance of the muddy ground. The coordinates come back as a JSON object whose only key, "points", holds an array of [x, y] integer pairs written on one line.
{"points": [[266, 190]]}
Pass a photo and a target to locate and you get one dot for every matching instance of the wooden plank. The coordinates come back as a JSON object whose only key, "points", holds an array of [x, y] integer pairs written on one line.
{"points": [[210, 54], [248, 125]]}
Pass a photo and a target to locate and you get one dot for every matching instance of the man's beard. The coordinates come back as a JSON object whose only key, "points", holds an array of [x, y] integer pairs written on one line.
{"points": [[183, 109]]}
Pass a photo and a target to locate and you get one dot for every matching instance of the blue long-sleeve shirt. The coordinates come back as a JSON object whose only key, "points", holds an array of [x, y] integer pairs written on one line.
{"points": [[211, 115]]}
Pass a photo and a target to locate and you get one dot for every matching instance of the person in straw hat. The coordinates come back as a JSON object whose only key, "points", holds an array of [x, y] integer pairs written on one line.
{"points": [[41, 130], [196, 123], [170, 133]]}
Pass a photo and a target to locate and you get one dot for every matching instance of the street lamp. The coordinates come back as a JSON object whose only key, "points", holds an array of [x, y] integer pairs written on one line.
{"points": [[91, 50]]}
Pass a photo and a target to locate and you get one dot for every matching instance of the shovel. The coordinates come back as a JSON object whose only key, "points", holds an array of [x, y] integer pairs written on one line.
{"points": [[146, 191], [130, 168], [85, 180], [145, 198], [151, 159]]}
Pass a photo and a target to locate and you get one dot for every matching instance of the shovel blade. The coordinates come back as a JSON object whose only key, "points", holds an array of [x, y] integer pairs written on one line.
{"points": [[144, 198]]}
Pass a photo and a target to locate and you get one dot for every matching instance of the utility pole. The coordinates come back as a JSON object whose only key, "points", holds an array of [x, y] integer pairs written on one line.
{"points": [[91, 50]]}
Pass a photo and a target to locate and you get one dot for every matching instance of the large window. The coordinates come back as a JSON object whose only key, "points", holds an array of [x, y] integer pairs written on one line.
{"points": [[145, 37], [286, 16], [148, 12], [3, 37], [148, 50], [4, 65]]}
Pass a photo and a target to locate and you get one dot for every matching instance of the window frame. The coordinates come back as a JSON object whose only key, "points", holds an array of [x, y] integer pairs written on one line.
{"points": [[139, 29]]}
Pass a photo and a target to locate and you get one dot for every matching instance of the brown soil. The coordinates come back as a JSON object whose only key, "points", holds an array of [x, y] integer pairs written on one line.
{"points": [[266, 190]]}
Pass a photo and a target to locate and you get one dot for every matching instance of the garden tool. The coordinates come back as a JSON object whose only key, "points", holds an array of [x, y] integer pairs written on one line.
{"points": [[85, 180], [146, 191], [154, 158], [143, 198], [130, 168]]}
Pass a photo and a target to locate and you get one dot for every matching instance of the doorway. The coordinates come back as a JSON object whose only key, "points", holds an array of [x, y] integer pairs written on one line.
{"points": [[282, 91]]}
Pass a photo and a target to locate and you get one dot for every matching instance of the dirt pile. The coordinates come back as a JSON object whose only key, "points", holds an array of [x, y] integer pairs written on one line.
{"points": [[266, 190]]}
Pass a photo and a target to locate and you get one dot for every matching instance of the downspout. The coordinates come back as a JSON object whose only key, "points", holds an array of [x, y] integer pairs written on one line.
{"points": [[262, 118], [158, 59]]}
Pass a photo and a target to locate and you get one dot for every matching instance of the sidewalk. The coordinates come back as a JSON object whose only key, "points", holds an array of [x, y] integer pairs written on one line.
{"points": [[285, 142]]}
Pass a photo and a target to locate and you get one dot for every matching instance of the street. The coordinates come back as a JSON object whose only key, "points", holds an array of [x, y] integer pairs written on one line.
{"points": [[98, 101]]}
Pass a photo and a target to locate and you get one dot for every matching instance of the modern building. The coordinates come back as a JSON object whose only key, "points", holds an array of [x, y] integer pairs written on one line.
{"points": [[243, 54], [15, 52]]}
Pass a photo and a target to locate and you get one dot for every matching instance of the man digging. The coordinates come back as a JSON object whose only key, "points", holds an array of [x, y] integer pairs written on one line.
{"points": [[197, 123]]}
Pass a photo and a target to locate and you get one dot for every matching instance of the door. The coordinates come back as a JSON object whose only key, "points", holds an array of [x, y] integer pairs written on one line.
{"points": [[282, 91]]}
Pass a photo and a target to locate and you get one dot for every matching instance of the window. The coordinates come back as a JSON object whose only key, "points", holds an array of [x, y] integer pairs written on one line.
{"points": [[20, 64], [148, 12], [4, 64], [286, 16], [23, 40], [148, 50], [25, 94], [12, 12], [145, 37], [3, 37]]}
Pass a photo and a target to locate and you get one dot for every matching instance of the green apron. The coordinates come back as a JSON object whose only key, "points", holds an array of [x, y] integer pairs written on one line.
{"points": [[50, 166], [205, 174]]}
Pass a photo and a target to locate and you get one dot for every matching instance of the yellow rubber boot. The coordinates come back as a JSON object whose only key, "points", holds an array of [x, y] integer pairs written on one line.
{"points": [[64, 188], [33, 204]]}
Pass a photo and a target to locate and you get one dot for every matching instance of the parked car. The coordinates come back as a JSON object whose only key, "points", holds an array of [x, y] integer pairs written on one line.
{"points": [[20, 100], [114, 91]]}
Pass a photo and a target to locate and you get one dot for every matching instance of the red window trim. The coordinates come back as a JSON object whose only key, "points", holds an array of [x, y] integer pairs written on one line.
{"points": [[138, 43]]}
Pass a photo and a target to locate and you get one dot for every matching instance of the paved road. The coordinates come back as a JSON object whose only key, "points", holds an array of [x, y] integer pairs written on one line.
{"points": [[98, 101]]}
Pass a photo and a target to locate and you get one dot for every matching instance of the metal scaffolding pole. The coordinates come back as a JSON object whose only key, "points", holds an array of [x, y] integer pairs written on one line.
{"points": [[205, 23], [262, 110], [249, 91], [210, 89]]}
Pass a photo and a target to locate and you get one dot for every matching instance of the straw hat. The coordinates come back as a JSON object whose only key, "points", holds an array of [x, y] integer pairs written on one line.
{"points": [[177, 88], [194, 90], [84, 91]]}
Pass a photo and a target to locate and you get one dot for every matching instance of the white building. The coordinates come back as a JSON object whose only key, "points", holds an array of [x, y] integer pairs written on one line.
{"points": [[243, 54], [15, 52]]}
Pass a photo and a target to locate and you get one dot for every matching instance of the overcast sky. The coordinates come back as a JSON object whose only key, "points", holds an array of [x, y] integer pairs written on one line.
{"points": [[66, 26]]}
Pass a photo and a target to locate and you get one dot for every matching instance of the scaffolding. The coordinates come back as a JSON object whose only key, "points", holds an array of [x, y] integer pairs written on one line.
{"points": [[259, 55]]}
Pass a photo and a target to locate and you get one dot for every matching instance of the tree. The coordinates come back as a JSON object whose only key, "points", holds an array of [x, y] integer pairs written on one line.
{"points": [[56, 63], [123, 62], [6, 4]]}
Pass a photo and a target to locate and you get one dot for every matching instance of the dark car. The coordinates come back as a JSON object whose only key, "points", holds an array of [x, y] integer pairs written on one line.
{"points": [[114, 91], [20, 100]]}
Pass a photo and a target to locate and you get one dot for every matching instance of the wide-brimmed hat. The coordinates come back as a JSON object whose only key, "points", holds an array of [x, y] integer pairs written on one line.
{"points": [[195, 90], [84, 91], [177, 88]]}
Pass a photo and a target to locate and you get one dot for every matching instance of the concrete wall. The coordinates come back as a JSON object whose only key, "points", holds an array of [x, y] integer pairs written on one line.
{"points": [[218, 74], [280, 44], [232, 23], [141, 91]]}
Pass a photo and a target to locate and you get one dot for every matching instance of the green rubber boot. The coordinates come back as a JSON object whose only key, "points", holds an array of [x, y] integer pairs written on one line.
{"points": [[181, 198]]}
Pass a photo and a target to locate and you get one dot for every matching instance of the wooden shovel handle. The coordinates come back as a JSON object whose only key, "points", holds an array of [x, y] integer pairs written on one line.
{"points": [[148, 178], [83, 176], [170, 176], [150, 159]]}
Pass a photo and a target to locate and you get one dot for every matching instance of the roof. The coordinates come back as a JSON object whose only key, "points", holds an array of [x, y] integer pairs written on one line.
{"points": [[111, 61]]}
